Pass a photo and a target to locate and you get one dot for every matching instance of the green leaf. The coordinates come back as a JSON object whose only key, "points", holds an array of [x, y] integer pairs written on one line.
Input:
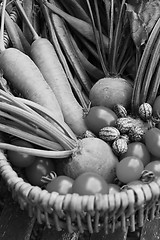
{"points": [[143, 15]]}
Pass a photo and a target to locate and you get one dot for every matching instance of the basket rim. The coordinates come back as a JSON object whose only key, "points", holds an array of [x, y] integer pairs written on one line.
{"points": [[123, 204]]}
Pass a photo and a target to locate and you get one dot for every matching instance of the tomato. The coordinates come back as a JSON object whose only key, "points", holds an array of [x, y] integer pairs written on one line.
{"points": [[156, 107], [154, 166], [129, 169], [19, 159], [113, 188], [152, 141], [139, 150], [90, 183], [60, 184], [99, 117], [40, 167]]}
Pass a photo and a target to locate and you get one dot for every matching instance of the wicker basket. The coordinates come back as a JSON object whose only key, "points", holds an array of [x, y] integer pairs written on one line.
{"points": [[128, 208]]}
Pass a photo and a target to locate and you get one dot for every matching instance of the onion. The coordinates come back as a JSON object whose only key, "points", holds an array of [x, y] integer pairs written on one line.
{"points": [[92, 155], [111, 91]]}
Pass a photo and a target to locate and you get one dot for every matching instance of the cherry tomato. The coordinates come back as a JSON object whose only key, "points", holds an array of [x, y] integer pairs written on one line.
{"points": [[40, 167], [99, 117], [156, 107], [152, 141], [139, 150], [19, 159], [60, 184], [154, 167], [129, 169], [90, 183], [113, 188]]}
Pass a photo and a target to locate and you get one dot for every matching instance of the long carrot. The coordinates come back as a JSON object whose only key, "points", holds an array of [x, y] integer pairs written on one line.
{"points": [[84, 28], [63, 34], [45, 56], [25, 76], [53, 38]]}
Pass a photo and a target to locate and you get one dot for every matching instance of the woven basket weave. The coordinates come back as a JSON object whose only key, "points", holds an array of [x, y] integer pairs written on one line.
{"points": [[128, 208]]}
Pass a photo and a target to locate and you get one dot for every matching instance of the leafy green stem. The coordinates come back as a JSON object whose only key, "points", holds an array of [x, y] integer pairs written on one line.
{"points": [[66, 142], [37, 152]]}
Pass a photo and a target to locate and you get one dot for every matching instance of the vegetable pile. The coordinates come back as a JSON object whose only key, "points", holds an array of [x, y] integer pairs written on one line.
{"points": [[79, 93]]}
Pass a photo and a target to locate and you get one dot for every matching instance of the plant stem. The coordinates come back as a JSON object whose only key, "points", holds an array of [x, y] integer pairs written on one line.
{"points": [[66, 142], [16, 131], [135, 101], [151, 67], [76, 24], [36, 109], [20, 8], [48, 115], [97, 38], [24, 125], [37, 152]]}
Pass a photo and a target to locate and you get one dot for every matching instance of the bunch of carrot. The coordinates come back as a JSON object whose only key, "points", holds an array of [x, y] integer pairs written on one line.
{"points": [[38, 69]]}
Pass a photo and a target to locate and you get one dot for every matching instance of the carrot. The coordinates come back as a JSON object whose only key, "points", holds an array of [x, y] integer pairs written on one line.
{"points": [[63, 34], [45, 56], [25, 76], [55, 41], [84, 28]]}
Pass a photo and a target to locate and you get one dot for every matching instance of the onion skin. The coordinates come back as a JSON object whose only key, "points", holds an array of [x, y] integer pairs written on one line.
{"points": [[92, 155], [111, 91]]}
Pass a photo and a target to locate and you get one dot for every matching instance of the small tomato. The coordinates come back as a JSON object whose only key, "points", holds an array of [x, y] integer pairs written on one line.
{"points": [[20, 159], [90, 183], [139, 150], [154, 167], [129, 169], [156, 107], [113, 188], [152, 141], [99, 117], [40, 167], [60, 184]]}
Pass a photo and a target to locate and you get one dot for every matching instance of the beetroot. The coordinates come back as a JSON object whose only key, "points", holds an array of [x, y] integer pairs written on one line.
{"points": [[111, 91]]}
